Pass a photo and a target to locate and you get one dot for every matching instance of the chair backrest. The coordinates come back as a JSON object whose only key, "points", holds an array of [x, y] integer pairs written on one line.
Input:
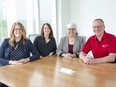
{"points": [[32, 36], [115, 60], [84, 37]]}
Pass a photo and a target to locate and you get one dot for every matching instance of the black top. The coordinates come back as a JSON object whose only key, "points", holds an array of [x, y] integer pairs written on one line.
{"points": [[17, 51], [43, 47]]}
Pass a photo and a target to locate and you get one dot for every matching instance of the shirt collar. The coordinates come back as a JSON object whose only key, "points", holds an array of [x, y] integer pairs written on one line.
{"points": [[20, 42], [104, 35]]}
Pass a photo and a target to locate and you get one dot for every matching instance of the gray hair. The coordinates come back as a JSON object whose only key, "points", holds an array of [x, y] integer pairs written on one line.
{"points": [[71, 25]]}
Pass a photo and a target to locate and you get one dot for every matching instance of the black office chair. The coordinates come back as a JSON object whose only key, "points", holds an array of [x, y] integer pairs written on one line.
{"points": [[115, 60], [84, 37]]}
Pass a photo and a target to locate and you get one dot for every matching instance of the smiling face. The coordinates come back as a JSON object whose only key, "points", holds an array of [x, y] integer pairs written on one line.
{"points": [[71, 29], [71, 32], [18, 31], [98, 27], [46, 30]]}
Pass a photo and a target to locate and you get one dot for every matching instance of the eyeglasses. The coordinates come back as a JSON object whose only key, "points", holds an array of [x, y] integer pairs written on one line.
{"points": [[18, 29], [71, 29], [98, 26]]}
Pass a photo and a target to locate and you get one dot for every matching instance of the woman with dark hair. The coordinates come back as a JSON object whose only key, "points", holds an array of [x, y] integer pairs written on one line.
{"points": [[46, 43]]}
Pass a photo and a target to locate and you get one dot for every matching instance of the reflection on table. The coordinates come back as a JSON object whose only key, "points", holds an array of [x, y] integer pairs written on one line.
{"points": [[46, 72]]}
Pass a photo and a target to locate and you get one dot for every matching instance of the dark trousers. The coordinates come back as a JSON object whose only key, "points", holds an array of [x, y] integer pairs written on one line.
{"points": [[3, 85]]}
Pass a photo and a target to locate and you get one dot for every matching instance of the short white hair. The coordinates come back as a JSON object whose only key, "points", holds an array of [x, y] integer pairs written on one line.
{"points": [[71, 25]]}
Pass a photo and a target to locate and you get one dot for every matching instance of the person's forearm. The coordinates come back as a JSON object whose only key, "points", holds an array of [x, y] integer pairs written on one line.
{"points": [[109, 58], [82, 55]]}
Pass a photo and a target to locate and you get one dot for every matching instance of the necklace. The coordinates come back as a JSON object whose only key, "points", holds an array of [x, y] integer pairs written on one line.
{"points": [[16, 47]]}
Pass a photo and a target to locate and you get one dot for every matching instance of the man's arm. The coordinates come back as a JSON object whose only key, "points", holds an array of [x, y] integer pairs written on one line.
{"points": [[110, 58], [82, 55]]}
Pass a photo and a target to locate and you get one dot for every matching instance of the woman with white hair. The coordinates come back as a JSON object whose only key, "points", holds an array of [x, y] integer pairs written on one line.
{"points": [[71, 45]]}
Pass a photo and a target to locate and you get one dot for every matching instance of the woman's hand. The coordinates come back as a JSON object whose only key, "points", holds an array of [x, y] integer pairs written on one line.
{"points": [[15, 62], [51, 53], [24, 60], [68, 55]]}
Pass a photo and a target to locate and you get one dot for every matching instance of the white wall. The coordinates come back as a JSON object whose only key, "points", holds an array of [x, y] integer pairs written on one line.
{"points": [[63, 16], [83, 12]]}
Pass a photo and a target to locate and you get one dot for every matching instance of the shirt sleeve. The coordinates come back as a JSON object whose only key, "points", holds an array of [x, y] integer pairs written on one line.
{"points": [[87, 46], [112, 48]]}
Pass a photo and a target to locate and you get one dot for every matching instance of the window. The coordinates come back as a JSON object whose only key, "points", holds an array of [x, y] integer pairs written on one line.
{"points": [[31, 13], [48, 14], [3, 20]]}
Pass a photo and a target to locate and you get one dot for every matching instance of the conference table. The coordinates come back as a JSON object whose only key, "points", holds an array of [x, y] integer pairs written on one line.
{"points": [[54, 71]]}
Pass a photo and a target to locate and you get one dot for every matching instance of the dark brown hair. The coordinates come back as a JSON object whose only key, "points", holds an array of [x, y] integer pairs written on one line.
{"points": [[51, 31]]}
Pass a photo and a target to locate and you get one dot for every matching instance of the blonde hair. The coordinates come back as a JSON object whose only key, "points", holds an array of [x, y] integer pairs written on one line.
{"points": [[12, 36]]}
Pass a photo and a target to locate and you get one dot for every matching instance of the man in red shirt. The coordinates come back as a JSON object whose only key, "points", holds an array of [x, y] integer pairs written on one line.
{"points": [[102, 45]]}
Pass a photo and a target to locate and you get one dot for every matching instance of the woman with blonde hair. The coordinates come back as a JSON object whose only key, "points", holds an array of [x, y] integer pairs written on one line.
{"points": [[17, 48]]}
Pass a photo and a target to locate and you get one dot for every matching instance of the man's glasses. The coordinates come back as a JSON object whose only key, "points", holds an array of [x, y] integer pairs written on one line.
{"points": [[98, 26]]}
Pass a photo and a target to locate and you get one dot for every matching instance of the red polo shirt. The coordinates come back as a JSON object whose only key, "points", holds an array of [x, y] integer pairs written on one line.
{"points": [[103, 48]]}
